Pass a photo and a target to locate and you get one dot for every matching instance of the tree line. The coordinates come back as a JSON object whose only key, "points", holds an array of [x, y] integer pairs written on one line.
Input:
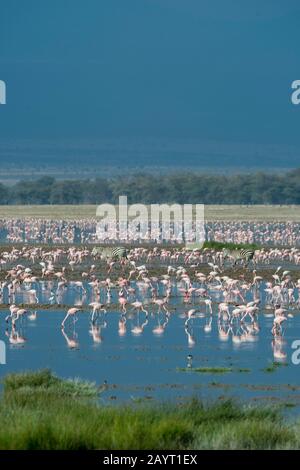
{"points": [[254, 188]]}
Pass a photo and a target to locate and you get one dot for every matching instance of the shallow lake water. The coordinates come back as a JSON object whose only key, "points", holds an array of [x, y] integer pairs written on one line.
{"points": [[154, 364]]}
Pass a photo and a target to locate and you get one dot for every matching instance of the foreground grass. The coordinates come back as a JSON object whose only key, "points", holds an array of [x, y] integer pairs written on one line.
{"points": [[45, 383], [41, 411]]}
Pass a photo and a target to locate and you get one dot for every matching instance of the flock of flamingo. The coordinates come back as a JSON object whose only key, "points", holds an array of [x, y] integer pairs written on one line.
{"points": [[84, 231], [150, 286]]}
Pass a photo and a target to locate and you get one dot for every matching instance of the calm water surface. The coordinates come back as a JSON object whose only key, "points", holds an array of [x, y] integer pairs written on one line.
{"points": [[147, 366]]}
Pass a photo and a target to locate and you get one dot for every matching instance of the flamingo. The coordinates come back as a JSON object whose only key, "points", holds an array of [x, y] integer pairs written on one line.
{"points": [[72, 342], [123, 302], [139, 306], [71, 312]]}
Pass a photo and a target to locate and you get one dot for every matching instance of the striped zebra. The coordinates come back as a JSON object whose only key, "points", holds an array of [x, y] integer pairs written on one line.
{"points": [[243, 254], [114, 253]]}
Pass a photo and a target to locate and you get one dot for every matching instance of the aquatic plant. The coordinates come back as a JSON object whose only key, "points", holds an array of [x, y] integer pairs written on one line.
{"points": [[206, 370], [230, 246]]}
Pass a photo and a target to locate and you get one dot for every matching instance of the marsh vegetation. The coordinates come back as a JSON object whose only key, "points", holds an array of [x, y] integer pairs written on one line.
{"points": [[40, 411]]}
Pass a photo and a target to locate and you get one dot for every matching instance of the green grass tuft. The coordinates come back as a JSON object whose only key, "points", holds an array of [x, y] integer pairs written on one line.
{"points": [[230, 246], [44, 383], [274, 366]]}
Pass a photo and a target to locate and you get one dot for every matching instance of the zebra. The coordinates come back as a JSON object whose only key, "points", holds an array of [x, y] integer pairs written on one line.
{"points": [[114, 253], [242, 254]]}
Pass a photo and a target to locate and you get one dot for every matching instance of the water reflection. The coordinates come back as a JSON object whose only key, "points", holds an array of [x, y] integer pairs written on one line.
{"points": [[148, 338]]}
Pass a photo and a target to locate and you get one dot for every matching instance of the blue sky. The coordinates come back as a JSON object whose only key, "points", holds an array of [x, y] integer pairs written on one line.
{"points": [[211, 70]]}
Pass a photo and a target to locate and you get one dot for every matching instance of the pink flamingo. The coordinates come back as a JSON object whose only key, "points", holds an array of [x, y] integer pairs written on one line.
{"points": [[123, 302], [16, 313], [96, 308], [71, 312], [223, 311], [161, 303], [13, 311], [190, 314], [139, 306], [277, 324]]}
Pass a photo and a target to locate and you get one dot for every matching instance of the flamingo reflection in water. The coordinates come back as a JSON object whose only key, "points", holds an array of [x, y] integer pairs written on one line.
{"points": [[16, 314], [71, 338], [97, 307], [16, 336], [162, 324], [139, 327]]}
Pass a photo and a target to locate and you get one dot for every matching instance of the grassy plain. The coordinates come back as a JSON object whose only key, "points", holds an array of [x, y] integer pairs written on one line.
{"points": [[262, 213]]}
